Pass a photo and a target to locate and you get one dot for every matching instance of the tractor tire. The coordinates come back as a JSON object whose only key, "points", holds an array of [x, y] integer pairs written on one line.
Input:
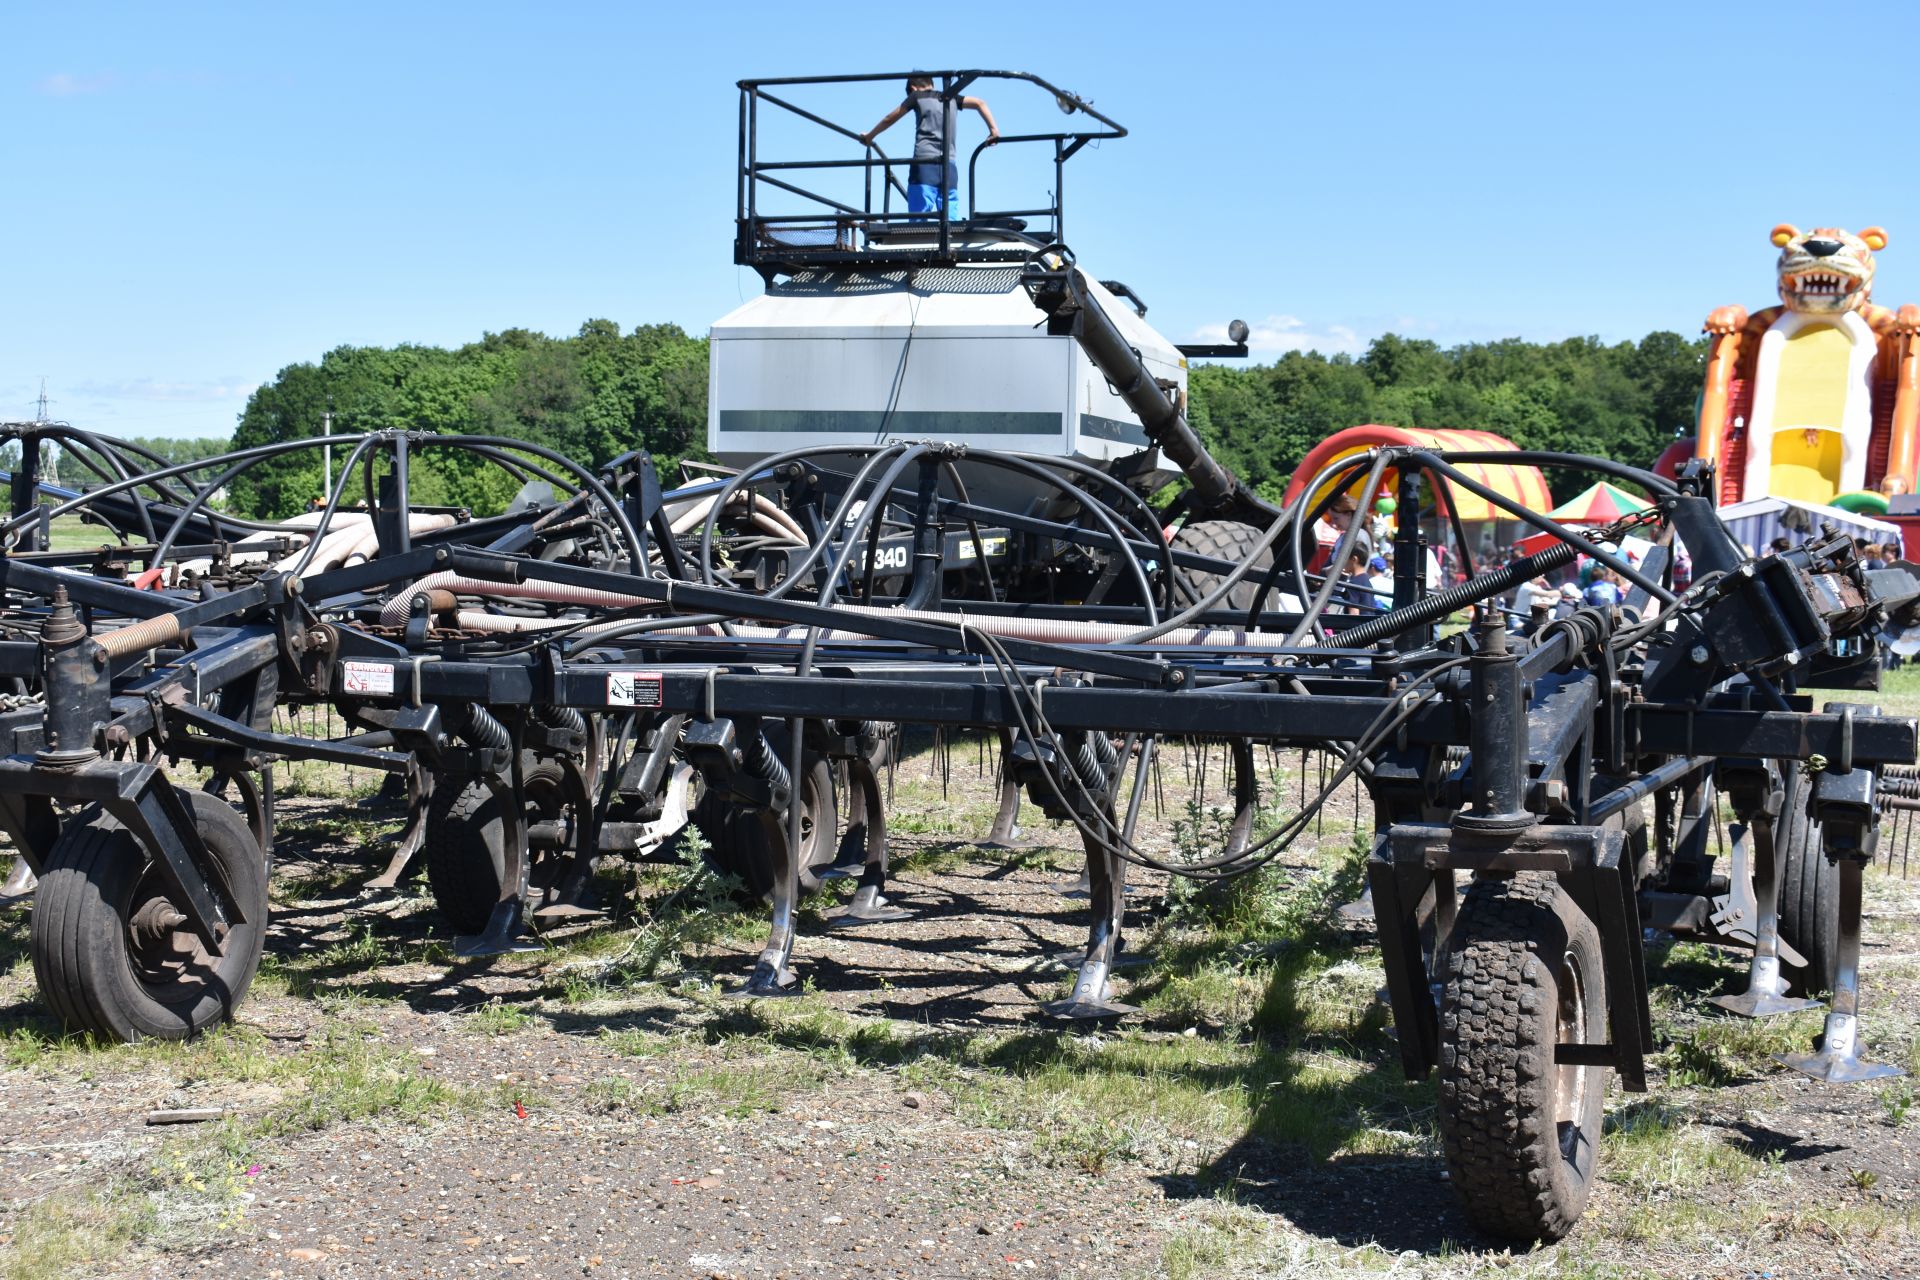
{"points": [[1809, 898], [738, 842], [108, 948], [1520, 1133], [1224, 540]]}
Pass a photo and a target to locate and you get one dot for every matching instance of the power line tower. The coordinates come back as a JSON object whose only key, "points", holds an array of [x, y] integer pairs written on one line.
{"points": [[50, 456]]}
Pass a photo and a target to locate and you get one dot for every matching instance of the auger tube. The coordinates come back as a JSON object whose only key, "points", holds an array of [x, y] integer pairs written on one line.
{"points": [[1059, 288]]}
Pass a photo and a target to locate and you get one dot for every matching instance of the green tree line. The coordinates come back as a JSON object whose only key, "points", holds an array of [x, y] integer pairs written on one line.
{"points": [[174, 450], [1625, 401], [602, 392], [591, 397]]}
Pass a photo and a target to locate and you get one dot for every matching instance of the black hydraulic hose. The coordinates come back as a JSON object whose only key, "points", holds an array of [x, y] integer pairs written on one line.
{"points": [[254, 454], [1291, 518], [200, 499], [1108, 517], [120, 470], [765, 469], [875, 504], [333, 505], [1647, 480], [1617, 563], [1152, 528], [258, 453], [1441, 603], [1285, 521], [590, 481], [1342, 553], [518, 468], [119, 451], [796, 574]]}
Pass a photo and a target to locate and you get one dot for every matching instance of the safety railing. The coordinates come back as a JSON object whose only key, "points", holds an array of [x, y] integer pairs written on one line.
{"points": [[874, 226]]}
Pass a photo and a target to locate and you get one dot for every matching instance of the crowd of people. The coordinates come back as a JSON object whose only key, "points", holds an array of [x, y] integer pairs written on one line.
{"points": [[1366, 580]]}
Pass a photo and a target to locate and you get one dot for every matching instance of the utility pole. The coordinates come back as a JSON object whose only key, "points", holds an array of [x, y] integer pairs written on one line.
{"points": [[50, 454]]}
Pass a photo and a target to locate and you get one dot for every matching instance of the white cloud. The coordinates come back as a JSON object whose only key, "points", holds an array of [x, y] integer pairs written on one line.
{"points": [[64, 84], [153, 389], [1277, 334]]}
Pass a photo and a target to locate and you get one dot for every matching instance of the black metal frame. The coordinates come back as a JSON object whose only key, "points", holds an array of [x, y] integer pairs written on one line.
{"points": [[853, 226]]}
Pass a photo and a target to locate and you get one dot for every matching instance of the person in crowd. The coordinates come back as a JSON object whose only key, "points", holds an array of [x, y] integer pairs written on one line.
{"points": [[1570, 601], [1333, 526], [1380, 578], [1780, 544], [1356, 584], [1527, 595], [1604, 591], [1889, 552]]}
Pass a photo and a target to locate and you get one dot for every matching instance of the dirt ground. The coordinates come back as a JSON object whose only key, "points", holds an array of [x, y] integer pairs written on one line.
{"points": [[604, 1107]]}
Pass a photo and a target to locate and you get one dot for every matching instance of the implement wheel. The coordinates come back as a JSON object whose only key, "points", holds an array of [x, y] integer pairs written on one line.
{"points": [[111, 952], [1809, 897], [1521, 1133], [1224, 540], [466, 852], [465, 842], [738, 844]]}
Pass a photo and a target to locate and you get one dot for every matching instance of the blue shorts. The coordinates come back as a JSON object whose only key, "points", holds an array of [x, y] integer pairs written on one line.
{"points": [[923, 191]]}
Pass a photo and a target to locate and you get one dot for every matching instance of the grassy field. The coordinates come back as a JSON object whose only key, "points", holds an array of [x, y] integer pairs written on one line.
{"points": [[1250, 1121]]}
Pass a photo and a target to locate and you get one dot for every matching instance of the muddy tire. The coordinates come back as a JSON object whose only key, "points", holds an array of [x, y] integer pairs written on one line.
{"points": [[1520, 1133], [110, 951], [738, 843], [1809, 897], [1224, 540]]}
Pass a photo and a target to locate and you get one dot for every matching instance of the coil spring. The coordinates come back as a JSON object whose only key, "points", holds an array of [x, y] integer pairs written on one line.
{"points": [[758, 758], [482, 730]]}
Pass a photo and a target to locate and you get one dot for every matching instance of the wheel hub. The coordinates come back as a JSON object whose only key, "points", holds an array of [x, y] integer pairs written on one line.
{"points": [[155, 923], [1570, 1082]]}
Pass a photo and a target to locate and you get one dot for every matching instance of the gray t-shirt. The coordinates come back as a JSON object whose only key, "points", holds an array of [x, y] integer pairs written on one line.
{"points": [[932, 126]]}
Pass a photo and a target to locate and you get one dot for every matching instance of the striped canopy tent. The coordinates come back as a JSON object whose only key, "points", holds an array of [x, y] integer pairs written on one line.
{"points": [[1521, 484], [1600, 503]]}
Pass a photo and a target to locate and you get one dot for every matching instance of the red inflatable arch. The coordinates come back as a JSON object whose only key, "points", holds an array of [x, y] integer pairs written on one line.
{"points": [[1522, 484]]}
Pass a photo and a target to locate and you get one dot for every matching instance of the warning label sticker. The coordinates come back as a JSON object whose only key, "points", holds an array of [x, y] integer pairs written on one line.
{"points": [[635, 689], [366, 677]]}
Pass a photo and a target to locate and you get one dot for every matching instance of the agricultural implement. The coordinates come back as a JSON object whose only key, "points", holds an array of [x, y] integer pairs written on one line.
{"points": [[569, 683], [582, 676]]}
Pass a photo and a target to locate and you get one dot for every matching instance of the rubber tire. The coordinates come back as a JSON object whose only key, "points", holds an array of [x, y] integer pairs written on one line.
{"points": [[1809, 898], [465, 847], [737, 842], [79, 936], [1224, 540], [1497, 1031]]}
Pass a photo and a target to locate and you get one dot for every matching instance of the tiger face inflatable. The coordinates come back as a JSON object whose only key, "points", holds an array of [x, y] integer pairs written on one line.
{"points": [[1826, 271]]}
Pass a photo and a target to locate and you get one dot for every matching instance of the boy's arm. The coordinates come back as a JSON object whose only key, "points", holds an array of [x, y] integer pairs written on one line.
{"points": [[975, 104], [885, 124]]}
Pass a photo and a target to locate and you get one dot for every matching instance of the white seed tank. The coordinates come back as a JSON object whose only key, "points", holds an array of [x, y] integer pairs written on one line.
{"points": [[870, 353]]}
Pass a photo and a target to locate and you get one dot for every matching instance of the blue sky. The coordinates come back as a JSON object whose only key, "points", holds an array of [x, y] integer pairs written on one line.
{"points": [[193, 196]]}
